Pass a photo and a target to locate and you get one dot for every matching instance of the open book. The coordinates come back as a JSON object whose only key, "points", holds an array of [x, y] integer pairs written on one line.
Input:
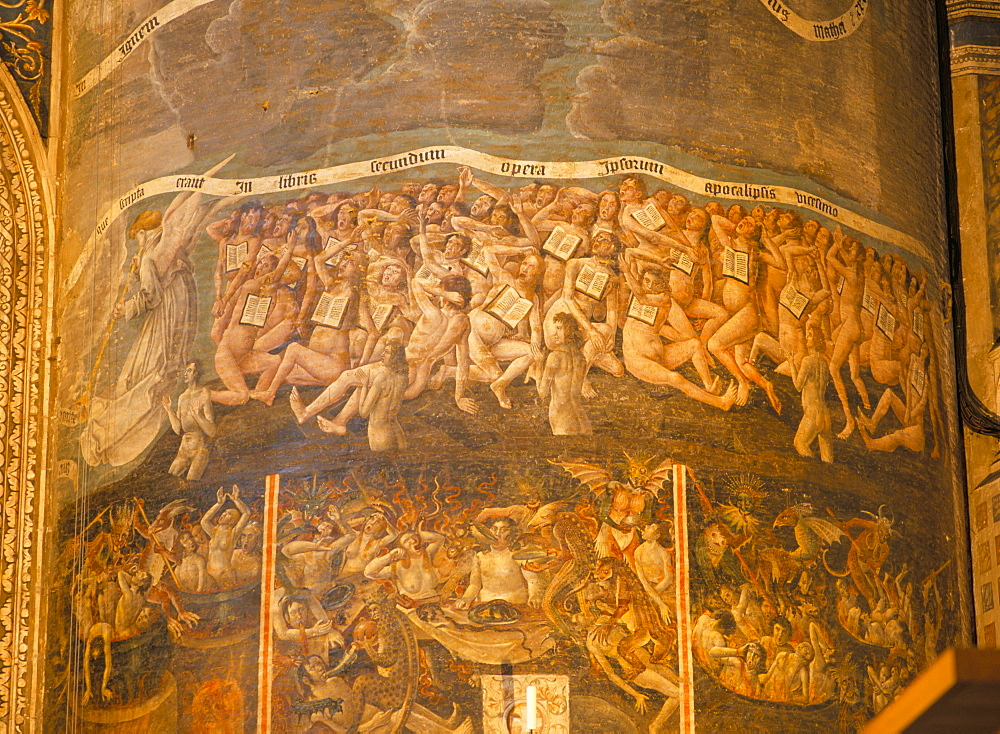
{"points": [[561, 244], [736, 265], [235, 255], [681, 261], [508, 306], [793, 300], [642, 312], [918, 323], [255, 310], [885, 321], [868, 301], [649, 216], [476, 259], [382, 314], [592, 282], [330, 310], [335, 259], [426, 275]]}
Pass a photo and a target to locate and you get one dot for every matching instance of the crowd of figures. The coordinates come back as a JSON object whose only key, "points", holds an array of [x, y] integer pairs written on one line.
{"points": [[390, 598], [390, 602], [134, 580], [810, 608], [380, 296]]}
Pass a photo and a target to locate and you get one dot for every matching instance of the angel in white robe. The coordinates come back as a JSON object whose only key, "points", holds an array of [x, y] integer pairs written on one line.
{"points": [[124, 421]]}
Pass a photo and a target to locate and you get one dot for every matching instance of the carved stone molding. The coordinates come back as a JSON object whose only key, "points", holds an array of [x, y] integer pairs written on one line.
{"points": [[25, 284], [975, 60], [973, 9]]}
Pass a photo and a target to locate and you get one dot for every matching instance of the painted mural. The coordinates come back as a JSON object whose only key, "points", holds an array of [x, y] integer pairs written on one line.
{"points": [[380, 411]]}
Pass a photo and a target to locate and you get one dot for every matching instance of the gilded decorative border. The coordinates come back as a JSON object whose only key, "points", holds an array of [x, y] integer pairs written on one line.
{"points": [[25, 281], [26, 49]]}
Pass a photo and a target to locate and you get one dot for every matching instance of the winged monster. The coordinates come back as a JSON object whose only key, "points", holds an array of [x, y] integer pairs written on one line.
{"points": [[625, 506]]}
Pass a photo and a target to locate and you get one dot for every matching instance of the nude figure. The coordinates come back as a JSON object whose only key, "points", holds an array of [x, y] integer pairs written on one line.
{"points": [[442, 330], [785, 228], [695, 299], [648, 358], [194, 421], [788, 349], [303, 622], [388, 286], [496, 575], [562, 379], [846, 259], [360, 548], [247, 560], [652, 676], [491, 341], [731, 344], [410, 565], [191, 570], [588, 310], [243, 225], [632, 196], [811, 378], [327, 354], [235, 355], [378, 395], [223, 536], [134, 590], [654, 565], [578, 223], [298, 284], [909, 411]]}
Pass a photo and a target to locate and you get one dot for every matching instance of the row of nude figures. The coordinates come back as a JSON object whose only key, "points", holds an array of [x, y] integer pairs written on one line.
{"points": [[380, 296]]}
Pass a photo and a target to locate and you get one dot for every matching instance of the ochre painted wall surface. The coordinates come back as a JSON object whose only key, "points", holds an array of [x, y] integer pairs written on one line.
{"points": [[417, 355]]}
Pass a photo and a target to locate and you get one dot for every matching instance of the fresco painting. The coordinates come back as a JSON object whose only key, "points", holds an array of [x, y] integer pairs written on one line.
{"points": [[446, 361], [397, 329]]}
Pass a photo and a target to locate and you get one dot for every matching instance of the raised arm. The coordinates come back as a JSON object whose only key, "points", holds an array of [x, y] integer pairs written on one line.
{"points": [[243, 510], [644, 234], [527, 225], [206, 519], [833, 256], [724, 229], [773, 254], [175, 421], [489, 189]]}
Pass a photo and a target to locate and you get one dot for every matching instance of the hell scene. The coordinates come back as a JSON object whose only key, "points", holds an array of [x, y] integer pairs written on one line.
{"points": [[378, 459]]}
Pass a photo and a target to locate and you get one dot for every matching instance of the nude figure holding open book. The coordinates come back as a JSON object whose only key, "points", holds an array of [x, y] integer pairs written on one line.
{"points": [[328, 352], [731, 344], [648, 357], [494, 338], [590, 292], [235, 355]]}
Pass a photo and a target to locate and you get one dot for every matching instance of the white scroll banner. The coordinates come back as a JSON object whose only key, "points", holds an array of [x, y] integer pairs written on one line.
{"points": [[170, 11], [832, 30], [515, 169], [819, 30]]}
